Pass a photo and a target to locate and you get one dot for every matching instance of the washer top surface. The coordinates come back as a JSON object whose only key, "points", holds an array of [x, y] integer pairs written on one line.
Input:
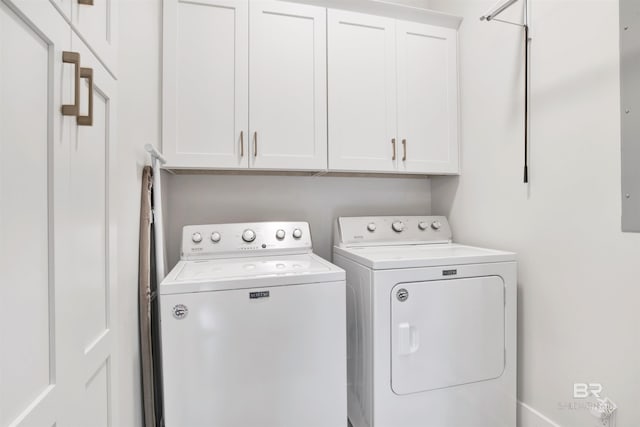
{"points": [[251, 272], [249, 255], [383, 243]]}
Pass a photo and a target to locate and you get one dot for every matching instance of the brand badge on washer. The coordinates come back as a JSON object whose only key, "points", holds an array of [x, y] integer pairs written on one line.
{"points": [[402, 294], [180, 311]]}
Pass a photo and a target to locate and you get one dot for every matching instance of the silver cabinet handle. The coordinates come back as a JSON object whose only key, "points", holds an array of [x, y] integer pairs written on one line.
{"points": [[393, 147], [241, 143], [404, 147], [255, 144]]}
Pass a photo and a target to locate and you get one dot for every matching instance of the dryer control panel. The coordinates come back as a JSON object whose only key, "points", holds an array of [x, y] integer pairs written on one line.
{"points": [[245, 239], [391, 230]]}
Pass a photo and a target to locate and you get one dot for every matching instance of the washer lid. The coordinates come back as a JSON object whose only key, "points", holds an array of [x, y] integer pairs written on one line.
{"points": [[238, 273], [426, 255]]}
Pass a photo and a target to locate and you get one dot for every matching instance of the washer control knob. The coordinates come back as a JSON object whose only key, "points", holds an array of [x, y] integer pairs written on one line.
{"points": [[196, 237], [215, 237], [423, 225], [436, 225], [248, 235], [297, 233], [371, 227], [398, 226], [280, 234]]}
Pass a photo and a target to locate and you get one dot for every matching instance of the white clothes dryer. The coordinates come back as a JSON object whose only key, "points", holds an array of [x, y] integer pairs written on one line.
{"points": [[253, 330], [431, 325]]}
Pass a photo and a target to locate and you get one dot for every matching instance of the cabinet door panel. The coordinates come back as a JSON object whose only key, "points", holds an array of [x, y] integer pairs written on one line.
{"points": [[205, 97], [288, 93], [362, 92], [96, 23], [427, 98], [92, 200], [34, 142]]}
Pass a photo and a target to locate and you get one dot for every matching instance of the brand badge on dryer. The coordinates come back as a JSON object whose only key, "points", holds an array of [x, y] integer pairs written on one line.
{"points": [[180, 311], [402, 294]]}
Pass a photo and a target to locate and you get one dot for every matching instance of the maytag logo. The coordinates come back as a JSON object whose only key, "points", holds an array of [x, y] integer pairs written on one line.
{"points": [[257, 295], [449, 272]]}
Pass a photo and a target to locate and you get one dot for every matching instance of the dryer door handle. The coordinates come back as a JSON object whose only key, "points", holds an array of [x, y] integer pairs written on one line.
{"points": [[408, 339]]}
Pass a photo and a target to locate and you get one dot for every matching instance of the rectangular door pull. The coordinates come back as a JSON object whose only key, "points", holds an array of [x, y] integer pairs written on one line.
{"points": [[73, 58], [87, 73]]}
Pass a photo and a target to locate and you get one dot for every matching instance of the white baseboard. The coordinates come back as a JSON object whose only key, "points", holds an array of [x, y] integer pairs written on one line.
{"points": [[529, 417]]}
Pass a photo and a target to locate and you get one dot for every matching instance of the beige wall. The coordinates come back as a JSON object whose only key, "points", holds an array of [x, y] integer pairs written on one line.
{"points": [[579, 274]]}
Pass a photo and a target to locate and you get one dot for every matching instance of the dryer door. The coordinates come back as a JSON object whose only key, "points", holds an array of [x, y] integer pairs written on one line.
{"points": [[446, 333]]}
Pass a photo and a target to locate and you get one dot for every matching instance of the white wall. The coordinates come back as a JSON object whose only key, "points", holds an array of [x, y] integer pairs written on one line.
{"points": [[139, 24], [579, 275], [211, 199]]}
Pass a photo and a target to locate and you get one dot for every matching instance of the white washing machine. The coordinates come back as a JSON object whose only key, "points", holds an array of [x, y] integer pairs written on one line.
{"points": [[253, 329], [431, 325]]}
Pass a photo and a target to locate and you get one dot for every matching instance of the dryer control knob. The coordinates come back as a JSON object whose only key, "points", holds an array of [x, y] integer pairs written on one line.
{"points": [[196, 237], [398, 226], [215, 237], [248, 235], [280, 234], [297, 233], [423, 225], [436, 225], [371, 227]]}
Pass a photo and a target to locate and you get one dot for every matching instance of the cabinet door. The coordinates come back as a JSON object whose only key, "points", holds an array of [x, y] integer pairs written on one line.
{"points": [[288, 86], [34, 144], [362, 92], [95, 21], [427, 98], [205, 84], [92, 239]]}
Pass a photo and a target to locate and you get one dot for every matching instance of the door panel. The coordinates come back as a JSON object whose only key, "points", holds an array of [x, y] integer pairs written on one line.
{"points": [[446, 333], [205, 89], [96, 23], [427, 98], [93, 240], [362, 92], [288, 91], [33, 140]]}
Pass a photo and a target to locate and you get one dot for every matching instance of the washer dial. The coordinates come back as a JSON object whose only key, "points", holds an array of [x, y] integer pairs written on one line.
{"points": [[398, 226], [248, 235]]}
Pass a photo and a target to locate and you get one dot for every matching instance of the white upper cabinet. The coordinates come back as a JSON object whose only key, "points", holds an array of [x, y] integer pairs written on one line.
{"points": [[427, 98], [287, 86], [95, 22], [277, 85], [206, 81], [362, 92]]}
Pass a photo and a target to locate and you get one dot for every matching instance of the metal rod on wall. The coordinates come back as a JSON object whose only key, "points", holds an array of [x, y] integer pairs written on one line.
{"points": [[491, 15]]}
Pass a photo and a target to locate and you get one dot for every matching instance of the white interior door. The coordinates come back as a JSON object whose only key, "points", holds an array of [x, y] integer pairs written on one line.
{"points": [[93, 245], [96, 21], [34, 138], [362, 92], [446, 333], [206, 83], [427, 98], [288, 86]]}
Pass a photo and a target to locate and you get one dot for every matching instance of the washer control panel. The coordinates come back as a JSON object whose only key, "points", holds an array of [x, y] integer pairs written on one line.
{"points": [[244, 239], [383, 230]]}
